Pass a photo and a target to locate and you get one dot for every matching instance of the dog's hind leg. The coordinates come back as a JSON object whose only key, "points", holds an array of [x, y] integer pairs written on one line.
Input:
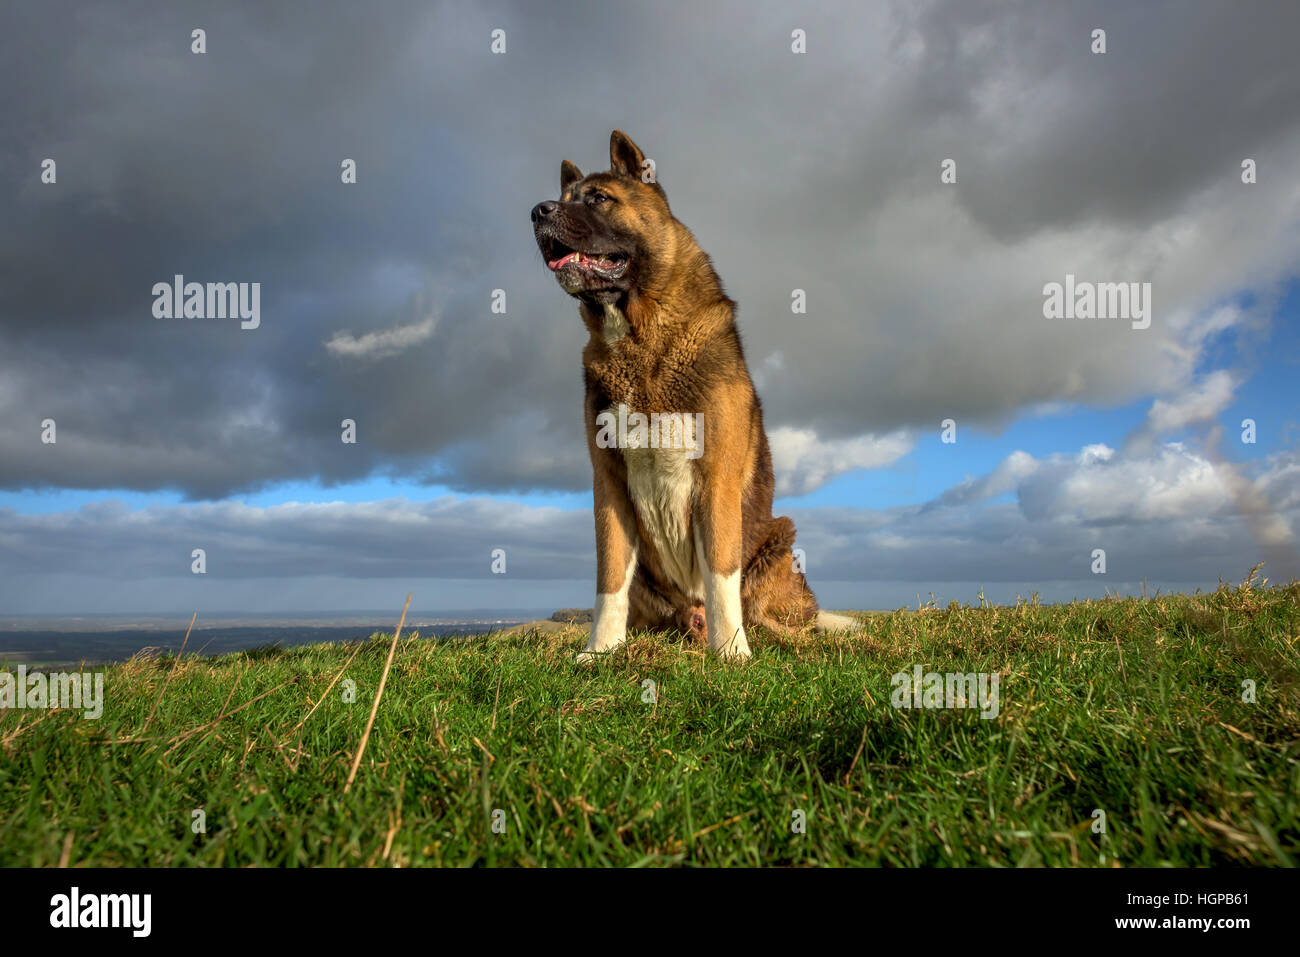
{"points": [[775, 592]]}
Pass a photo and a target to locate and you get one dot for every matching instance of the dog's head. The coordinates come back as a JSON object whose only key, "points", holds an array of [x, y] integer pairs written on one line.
{"points": [[606, 235]]}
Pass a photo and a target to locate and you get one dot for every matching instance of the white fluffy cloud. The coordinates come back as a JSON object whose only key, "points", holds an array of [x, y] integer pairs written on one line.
{"points": [[1200, 403], [383, 343], [1007, 477], [1100, 487], [803, 462]]}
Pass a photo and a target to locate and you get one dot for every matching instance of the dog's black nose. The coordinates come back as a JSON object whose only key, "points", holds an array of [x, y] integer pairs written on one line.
{"points": [[543, 210]]}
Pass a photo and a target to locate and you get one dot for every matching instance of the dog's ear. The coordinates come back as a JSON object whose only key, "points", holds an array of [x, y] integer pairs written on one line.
{"points": [[625, 157], [569, 174]]}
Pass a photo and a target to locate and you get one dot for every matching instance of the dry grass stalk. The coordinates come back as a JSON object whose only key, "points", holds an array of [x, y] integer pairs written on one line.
{"points": [[374, 708]]}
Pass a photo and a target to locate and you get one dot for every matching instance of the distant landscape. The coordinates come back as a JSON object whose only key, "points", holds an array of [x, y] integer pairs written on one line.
{"points": [[108, 639]]}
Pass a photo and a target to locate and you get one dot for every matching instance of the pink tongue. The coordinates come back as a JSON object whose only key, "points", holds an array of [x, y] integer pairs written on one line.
{"points": [[600, 262]]}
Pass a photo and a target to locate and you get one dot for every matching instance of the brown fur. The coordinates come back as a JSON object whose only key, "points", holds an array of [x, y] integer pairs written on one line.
{"points": [[681, 353]]}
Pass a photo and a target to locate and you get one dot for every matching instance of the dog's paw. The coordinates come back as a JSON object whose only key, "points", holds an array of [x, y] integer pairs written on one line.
{"points": [[737, 649]]}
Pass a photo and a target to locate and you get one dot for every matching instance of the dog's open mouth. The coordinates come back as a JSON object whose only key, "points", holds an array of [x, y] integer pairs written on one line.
{"points": [[609, 265]]}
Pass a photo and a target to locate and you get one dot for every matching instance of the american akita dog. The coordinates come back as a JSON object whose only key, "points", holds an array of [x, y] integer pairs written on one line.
{"points": [[685, 537]]}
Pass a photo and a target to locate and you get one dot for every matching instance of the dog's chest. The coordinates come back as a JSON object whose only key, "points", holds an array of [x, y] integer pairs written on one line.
{"points": [[660, 482]]}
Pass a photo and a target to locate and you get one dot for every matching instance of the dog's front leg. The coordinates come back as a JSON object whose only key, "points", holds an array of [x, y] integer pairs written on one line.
{"points": [[718, 550], [616, 544]]}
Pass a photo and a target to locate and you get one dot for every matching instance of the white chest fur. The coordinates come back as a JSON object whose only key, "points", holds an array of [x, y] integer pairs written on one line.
{"points": [[659, 482]]}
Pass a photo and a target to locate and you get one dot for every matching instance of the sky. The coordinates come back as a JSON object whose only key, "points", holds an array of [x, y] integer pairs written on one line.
{"points": [[922, 171]]}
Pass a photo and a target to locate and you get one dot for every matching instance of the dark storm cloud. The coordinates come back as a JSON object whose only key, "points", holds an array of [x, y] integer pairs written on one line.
{"points": [[226, 167], [817, 172]]}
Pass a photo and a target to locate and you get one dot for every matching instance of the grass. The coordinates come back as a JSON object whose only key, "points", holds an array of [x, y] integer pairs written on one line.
{"points": [[1130, 706]]}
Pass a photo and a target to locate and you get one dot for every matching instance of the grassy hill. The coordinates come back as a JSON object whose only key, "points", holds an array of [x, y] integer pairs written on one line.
{"points": [[1131, 707]]}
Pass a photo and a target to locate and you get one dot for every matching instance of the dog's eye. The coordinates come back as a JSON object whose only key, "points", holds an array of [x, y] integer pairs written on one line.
{"points": [[597, 198]]}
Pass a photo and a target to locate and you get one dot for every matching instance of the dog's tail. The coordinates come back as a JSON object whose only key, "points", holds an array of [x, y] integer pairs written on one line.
{"points": [[829, 621]]}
